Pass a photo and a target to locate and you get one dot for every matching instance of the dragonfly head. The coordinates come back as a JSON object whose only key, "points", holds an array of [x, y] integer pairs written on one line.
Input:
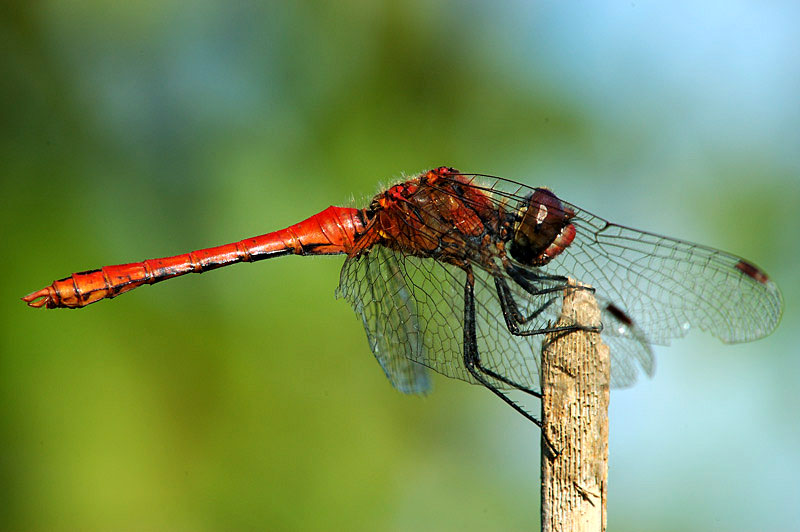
{"points": [[542, 229]]}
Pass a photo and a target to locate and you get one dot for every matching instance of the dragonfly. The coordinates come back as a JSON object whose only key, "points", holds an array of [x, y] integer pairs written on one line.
{"points": [[464, 274]]}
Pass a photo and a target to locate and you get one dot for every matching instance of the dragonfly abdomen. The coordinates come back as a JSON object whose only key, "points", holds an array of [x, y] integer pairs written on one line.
{"points": [[331, 231]]}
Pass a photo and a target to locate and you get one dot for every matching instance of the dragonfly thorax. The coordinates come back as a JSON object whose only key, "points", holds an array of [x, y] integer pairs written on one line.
{"points": [[438, 215]]}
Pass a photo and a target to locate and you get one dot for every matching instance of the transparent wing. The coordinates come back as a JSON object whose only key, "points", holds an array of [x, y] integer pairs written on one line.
{"points": [[668, 286], [376, 288], [435, 292], [413, 313], [629, 348], [665, 285]]}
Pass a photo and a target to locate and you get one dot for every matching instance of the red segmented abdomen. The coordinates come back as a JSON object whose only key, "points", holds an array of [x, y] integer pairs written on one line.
{"points": [[331, 231]]}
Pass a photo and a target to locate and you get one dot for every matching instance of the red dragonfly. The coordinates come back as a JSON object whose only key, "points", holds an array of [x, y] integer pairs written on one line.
{"points": [[464, 273]]}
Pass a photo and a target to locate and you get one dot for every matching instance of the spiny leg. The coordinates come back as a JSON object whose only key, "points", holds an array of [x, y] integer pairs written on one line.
{"points": [[511, 312], [494, 374], [525, 279], [472, 357], [514, 317], [531, 281]]}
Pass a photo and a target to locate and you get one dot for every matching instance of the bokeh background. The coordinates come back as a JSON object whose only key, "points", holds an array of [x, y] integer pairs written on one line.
{"points": [[247, 398]]}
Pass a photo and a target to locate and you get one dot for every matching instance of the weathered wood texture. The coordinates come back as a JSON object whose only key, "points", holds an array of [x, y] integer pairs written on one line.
{"points": [[575, 385]]}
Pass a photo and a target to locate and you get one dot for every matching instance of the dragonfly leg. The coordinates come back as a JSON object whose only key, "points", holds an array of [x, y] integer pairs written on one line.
{"points": [[532, 282], [511, 312], [506, 380], [472, 359], [527, 280], [560, 332]]}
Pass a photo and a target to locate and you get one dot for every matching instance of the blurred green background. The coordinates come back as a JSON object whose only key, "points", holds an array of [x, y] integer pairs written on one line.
{"points": [[247, 398]]}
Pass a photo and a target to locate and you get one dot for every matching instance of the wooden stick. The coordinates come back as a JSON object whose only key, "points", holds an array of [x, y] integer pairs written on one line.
{"points": [[575, 376]]}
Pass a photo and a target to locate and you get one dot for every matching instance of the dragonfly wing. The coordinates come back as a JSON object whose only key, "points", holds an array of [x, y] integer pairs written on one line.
{"points": [[516, 358], [419, 314], [413, 313], [667, 286], [630, 349], [374, 285]]}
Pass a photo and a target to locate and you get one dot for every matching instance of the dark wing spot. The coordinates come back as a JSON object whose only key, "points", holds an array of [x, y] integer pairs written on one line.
{"points": [[752, 271], [619, 314]]}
